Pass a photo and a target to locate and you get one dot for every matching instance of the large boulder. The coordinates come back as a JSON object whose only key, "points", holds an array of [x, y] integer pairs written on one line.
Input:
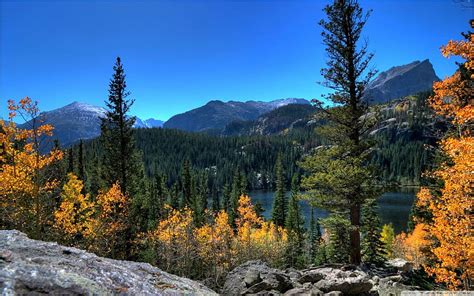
{"points": [[401, 265], [35, 267], [255, 277], [349, 282]]}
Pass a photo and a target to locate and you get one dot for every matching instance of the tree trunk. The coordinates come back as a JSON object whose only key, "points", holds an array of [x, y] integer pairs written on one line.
{"points": [[355, 234]]}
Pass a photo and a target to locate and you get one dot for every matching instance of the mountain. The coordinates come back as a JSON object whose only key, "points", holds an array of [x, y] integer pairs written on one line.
{"points": [[276, 121], [80, 121], [148, 123], [72, 122], [402, 81], [215, 115]]}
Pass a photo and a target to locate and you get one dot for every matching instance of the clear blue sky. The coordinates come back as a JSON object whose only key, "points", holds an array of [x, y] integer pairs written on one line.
{"points": [[180, 54]]}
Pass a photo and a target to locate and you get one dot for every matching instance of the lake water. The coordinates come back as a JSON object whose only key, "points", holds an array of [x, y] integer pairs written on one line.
{"points": [[394, 207]]}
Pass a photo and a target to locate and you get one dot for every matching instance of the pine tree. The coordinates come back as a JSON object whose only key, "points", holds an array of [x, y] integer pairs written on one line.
{"points": [[339, 177], [237, 191], [226, 197], [279, 201], [121, 163], [81, 169], [317, 253], [338, 228], [373, 249], [186, 183], [294, 225], [216, 203], [70, 160]]}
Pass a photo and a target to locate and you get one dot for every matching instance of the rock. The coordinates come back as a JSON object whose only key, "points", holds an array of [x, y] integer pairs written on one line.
{"points": [[259, 287], [311, 276], [401, 265], [334, 293], [304, 291], [252, 277], [393, 285], [271, 279], [35, 267], [348, 282]]}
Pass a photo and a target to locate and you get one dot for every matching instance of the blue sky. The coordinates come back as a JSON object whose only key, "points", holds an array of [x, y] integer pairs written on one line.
{"points": [[180, 54]]}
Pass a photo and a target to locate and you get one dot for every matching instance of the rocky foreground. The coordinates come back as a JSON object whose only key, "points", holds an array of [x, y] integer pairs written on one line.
{"points": [[34, 268], [257, 278]]}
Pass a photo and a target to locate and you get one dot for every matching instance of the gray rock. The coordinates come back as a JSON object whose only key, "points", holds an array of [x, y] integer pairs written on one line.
{"points": [[311, 276], [252, 277], [348, 282], [259, 287], [334, 293], [401, 265], [304, 291], [271, 279], [35, 267]]}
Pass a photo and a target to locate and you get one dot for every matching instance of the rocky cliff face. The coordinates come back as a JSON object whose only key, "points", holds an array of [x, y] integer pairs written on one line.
{"points": [[34, 267], [402, 81]]}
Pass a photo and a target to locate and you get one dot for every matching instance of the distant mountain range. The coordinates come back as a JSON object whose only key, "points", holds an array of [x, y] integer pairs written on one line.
{"points": [[215, 115], [82, 121]]}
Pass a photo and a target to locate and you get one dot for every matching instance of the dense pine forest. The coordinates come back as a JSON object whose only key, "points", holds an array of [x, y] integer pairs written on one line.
{"points": [[179, 200]]}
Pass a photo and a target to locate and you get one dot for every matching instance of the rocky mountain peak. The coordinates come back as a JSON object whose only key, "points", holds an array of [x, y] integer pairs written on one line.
{"points": [[400, 81]]}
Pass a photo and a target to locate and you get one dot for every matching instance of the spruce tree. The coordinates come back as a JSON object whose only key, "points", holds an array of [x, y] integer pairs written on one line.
{"points": [[216, 203], [338, 228], [70, 161], [279, 201], [373, 249], [226, 198], [81, 171], [339, 178], [316, 251], [186, 184], [294, 225], [238, 189], [121, 161]]}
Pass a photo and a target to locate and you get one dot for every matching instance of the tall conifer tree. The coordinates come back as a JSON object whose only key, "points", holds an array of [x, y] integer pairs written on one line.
{"points": [[339, 178], [121, 161], [279, 201]]}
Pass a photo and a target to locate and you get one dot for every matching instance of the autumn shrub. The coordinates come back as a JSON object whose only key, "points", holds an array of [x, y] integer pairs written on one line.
{"points": [[413, 246], [26, 188]]}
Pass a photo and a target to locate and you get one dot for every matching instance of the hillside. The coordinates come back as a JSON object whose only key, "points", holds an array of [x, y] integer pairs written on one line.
{"points": [[215, 115]]}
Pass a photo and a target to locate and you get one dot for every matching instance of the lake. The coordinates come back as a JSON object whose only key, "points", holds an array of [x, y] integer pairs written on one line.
{"points": [[394, 207]]}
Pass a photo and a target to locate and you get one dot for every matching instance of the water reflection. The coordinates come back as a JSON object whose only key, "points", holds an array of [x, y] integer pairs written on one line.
{"points": [[394, 207]]}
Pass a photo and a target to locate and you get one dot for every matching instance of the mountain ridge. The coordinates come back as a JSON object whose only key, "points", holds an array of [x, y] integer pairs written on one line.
{"points": [[216, 114]]}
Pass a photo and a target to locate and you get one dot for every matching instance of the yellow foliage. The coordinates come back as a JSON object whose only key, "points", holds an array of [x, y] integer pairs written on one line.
{"points": [[109, 227], [257, 239], [25, 190], [214, 246], [75, 213]]}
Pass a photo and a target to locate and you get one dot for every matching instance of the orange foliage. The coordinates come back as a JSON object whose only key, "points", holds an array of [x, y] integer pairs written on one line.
{"points": [[454, 96], [413, 246], [25, 190], [451, 225]]}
